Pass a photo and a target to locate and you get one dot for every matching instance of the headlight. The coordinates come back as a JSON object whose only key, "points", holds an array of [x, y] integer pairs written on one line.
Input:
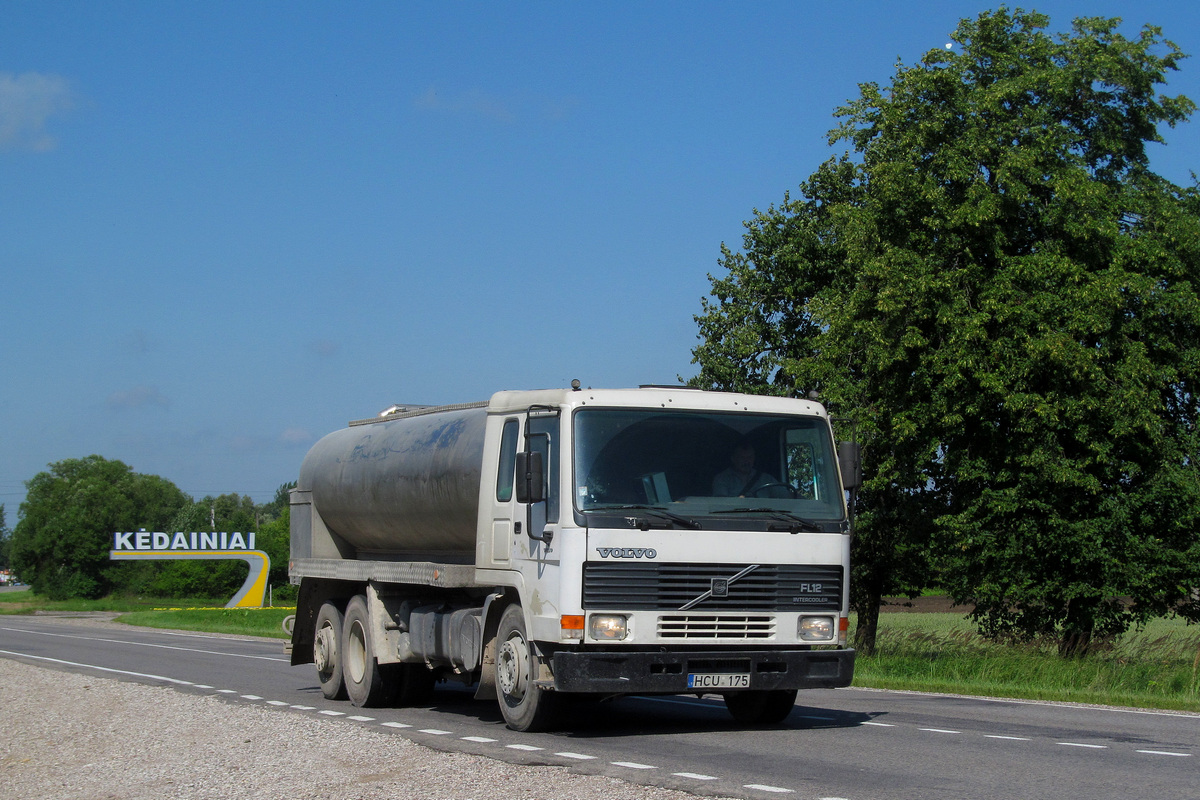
{"points": [[816, 629], [608, 627]]}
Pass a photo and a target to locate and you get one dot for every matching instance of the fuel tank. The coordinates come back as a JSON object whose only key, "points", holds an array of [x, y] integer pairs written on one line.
{"points": [[406, 483]]}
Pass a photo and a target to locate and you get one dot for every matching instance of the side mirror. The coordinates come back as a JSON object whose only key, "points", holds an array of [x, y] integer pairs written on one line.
{"points": [[531, 480], [850, 464]]}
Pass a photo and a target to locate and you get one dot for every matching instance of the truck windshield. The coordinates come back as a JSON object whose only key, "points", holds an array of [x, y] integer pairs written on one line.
{"points": [[778, 469]]}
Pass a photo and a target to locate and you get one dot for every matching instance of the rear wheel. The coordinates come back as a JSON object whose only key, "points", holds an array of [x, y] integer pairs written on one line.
{"points": [[367, 684], [326, 644], [524, 705], [761, 708]]}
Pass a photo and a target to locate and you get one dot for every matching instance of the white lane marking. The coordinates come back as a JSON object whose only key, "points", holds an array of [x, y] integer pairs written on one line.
{"points": [[527, 747], [144, 644], [938, 730], [577, 756], [764, 788], [226, 691], [1009, 738], [880, 724], [276, 702], [250, 697], [394, 725], [695, 776], [329, 713], [175, 681], [202, 686], [1164, 753], [631, 765], [435, 732], [1015, 701], [480, 739], [303, 708], [357, 718], [1091, 746]]}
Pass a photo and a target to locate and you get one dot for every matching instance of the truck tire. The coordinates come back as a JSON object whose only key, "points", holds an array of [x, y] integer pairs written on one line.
{"points": [[524, 705], [367, 685], [327, 642], [761, 708]]}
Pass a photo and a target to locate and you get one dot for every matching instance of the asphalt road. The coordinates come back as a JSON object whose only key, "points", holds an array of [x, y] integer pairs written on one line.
{"points": [[845, 743]]}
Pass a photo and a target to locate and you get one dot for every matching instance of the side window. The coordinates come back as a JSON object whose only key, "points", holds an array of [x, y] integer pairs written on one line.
{"points": [[543, 438], [508, 458]]}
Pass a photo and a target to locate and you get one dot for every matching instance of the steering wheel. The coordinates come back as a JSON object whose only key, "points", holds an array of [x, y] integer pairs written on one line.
{"points": [[755, 492]]}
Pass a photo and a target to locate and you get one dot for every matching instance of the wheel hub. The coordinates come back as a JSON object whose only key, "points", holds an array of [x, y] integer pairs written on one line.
{"points": [[512, 667], [325, 649]]}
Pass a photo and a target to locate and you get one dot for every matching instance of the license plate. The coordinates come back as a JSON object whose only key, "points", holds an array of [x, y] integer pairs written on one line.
{"points": [[718, 681]]}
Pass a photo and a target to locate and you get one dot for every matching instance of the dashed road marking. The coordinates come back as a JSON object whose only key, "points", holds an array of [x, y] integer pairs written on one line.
{"points": [[479, 739], [276, 703], [1089, 746], [694, 776], [357, 718], [394, 725], [327, 712], [880, 724], [631, 765], [1009, 738], [576, 756], [435, 731], [938, 730], [1164, 753], [304, 708], [764, 788], [527, 747], [249, 697]]}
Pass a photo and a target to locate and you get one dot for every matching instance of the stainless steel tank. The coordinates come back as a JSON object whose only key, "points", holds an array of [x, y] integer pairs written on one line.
{"points": [[404, 484]]}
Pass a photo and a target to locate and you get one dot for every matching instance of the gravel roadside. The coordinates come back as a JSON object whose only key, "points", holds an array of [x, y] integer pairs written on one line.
{"points": [[77, 737]]}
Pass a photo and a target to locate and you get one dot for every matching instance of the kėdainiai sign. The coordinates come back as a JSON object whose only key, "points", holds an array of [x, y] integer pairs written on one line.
{"points": [[202, 541], [146, 545]]}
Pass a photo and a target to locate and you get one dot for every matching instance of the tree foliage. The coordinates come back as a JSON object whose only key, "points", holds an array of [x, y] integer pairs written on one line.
{"points": [[61, 544], [999, 286]]}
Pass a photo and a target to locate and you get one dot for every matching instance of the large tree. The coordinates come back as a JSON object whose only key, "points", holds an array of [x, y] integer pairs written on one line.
{"points": [[61, 545], [1009, 299]]}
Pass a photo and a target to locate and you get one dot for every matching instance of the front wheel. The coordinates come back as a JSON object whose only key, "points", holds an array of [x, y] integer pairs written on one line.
{"points": [[761, 708], [524, 705]]}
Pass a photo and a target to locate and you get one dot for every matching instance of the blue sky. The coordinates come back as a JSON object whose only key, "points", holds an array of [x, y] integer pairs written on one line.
{"points": [[228, 228]]}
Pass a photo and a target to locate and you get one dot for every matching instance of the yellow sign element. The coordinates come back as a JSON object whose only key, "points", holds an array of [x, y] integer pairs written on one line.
{"points": [[253, 590]]}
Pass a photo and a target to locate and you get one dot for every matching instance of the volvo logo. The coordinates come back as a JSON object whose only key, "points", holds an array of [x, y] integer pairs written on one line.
{"points": [[627, 552]]}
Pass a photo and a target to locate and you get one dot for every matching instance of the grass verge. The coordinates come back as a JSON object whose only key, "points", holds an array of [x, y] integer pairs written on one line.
{"points": [[1156, 667], [193, 614]]}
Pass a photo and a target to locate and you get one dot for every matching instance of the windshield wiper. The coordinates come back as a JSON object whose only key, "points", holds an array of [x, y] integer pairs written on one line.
{"points": [[795, 523], [658, 511]]}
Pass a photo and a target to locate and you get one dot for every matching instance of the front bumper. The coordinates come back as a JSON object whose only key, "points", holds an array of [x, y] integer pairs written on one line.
{"points": [[666, 672]]}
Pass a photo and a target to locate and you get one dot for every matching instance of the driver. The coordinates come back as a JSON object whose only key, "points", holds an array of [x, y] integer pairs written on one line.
{"points": [[741, 478]]}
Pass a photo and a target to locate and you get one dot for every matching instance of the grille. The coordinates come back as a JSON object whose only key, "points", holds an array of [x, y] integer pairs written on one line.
{"points": [[698, 626], [668, 587]]}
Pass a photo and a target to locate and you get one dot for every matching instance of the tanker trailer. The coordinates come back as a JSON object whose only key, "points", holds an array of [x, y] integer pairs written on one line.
{"points": [[588, 542]]}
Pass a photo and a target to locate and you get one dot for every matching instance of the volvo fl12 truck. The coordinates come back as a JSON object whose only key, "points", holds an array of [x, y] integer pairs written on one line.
{"points": [[596, 543]]}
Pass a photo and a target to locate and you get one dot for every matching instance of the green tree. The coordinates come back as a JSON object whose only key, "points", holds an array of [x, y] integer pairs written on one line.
{"points": [[205, 578], [61, 544], [1008, 296]]}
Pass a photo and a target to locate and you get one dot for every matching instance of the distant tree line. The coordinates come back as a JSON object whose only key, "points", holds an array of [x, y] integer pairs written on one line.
{"points": [[60, 546]]}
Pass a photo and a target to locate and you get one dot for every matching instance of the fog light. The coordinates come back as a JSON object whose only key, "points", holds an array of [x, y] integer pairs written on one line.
{"points": [[608, 628], [816, 629]]}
